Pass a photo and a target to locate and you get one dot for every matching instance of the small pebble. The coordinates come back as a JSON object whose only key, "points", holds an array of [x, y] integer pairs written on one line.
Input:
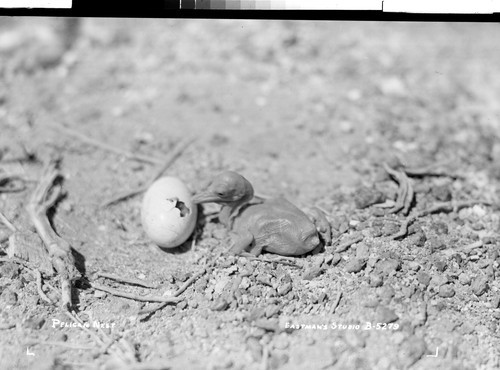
{"points": [[440, 265], [495, 302], [272, 310], [376, 231], [355, 265], [246, 271], [354, 339], [318, 260], [439, 306], [180, 276], [267, 324], [201, 284], [344, 227], [264, 279], [390, 229], [412, 350], [255, 291], [467, 328], [371, 302], [477, 226], [281, 341], [439, 279], [386, 315], [61, 337], [245, 283], [99, 294], [219, 234], [424, 278], [440, 228], [336, 258], [278, 360], [366, 196], [193, 303], [9, 297], [362, 251], [442, 192], [376, 280], [328, 259], [255, 348], [220, 305], [418, 239], [227, 262], [244, 299], [436, 244], [446, 291], [321, 297], [386, 293], [337, 221], [409, 291], [9, 270], [464, 279], [388, 265], [34, 323], [489, 240], [312, 272], [285, 278], [284, 289], [480, 285], [485, 263], [414, 266], [372, 261]]}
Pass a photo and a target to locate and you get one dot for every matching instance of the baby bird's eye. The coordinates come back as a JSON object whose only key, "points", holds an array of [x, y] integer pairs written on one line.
{"points": [[220, 193]]}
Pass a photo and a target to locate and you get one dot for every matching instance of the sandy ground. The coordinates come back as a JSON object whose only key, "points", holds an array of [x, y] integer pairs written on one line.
{"points": [[306, 110]]}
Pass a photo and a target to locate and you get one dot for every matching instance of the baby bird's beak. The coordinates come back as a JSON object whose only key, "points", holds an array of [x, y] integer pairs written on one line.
{"points": [[205, 196]]}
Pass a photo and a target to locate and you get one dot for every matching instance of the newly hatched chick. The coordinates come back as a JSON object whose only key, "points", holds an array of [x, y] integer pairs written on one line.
{"points": [[273, 225]]}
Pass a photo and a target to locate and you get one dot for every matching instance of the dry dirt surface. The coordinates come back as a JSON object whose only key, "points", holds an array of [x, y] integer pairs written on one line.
{"points": [[391, 128]]}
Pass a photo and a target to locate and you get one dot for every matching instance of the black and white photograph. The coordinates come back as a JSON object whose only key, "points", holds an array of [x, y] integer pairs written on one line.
{"points": [[255, 194]]}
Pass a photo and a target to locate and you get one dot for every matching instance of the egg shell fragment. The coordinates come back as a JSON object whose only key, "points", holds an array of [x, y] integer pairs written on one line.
{"points": [[168, 214]]}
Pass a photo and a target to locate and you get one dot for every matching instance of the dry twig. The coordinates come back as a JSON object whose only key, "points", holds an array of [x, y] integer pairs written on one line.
{"points": [[464, 249], [126, 280], [177, 293], [430, 170], [6, 179], [39, 285], [15, 260], [441, 207], [7, 223], [83, 138], [405, 192], [124, 352], [133, 296], [281, 260], [58, 344], [172, 156], [74, 317], [350, 241], [59, 250], [187, 284]]}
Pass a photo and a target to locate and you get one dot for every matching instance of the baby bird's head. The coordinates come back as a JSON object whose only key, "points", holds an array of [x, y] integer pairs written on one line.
{"points": [[227, 188]]}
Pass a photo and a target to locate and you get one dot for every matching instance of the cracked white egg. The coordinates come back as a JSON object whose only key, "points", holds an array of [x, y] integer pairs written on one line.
{"points": [[168, 214]]}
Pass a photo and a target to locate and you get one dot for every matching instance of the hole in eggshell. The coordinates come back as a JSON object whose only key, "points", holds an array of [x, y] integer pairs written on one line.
{"points": [[182, 207]]}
